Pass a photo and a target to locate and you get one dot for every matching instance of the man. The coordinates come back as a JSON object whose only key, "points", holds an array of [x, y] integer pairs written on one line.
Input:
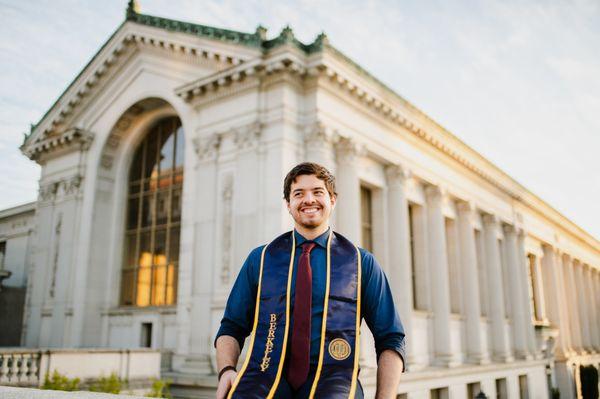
{"points": [[302, 298]]}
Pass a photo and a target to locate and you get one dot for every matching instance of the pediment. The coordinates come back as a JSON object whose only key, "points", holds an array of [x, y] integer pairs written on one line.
{"points": [[56, 127]]}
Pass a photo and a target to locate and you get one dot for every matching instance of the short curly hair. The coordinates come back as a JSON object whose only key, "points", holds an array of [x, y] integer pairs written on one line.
{"points": [[309, 168]]}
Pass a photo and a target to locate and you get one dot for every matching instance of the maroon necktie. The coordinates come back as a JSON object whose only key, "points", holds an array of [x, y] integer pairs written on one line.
{"points": [[300, 351]]}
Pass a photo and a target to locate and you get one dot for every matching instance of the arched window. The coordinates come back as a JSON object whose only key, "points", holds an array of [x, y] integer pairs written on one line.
{"points": [[151, 255]]}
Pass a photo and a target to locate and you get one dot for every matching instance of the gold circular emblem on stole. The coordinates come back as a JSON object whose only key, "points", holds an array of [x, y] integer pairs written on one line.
{"points": [[339, 349]]}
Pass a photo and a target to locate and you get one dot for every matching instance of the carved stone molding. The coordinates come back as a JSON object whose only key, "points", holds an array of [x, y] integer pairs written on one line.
{"points": [[61, 188], [396, 174], [509, 229], [318, 135], [248, 137], [227, 224], [57, 231], [348, 150], [466, 207], [435, 194], [74, 139], [207, 148], [490, 219]]}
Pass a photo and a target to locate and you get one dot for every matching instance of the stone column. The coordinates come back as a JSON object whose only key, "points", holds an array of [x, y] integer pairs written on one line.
{"points": [[438, 262], [591, 309], [348, 223], [400, 268], [517, 301], [471, 297], [572, 304], [318, 141], [194, 338], [348, 187], [582, 306], [500, 338], [555, 298], [525, 279], [596, 304]]}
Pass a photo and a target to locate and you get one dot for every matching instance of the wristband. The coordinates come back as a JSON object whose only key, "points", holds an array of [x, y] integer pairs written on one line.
{"points": [[223, 370]]}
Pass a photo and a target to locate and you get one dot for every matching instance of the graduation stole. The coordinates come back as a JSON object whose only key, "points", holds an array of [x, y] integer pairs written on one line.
{"points": [[337, 369]]}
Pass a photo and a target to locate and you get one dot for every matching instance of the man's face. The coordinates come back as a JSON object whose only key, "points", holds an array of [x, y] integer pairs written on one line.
{"points": [[310, 203]]}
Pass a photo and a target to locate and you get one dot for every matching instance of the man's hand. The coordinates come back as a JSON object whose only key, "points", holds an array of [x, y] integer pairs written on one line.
{"points": [[228, 352], [225, 383]]}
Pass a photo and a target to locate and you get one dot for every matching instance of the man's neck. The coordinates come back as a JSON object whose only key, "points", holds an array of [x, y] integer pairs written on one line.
{"points": [[311, 234]]}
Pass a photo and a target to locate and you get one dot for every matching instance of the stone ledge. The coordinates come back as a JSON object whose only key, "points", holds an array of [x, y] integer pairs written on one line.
{"points": [[26, 393]]}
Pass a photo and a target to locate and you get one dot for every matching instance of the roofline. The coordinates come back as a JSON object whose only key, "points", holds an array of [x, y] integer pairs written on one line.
{"points": [[18, 209], [257, 40], [62, 94]]}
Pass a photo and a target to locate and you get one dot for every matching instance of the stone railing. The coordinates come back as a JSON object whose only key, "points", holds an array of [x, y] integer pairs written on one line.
{"points": [[19, 367], [28, 367]]}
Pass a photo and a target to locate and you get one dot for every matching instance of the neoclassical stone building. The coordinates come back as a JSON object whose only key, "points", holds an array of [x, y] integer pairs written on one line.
{"points": [[162, 166]]}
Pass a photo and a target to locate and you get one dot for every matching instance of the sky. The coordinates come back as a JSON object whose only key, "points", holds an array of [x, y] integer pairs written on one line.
{"points": [[518, 81]]}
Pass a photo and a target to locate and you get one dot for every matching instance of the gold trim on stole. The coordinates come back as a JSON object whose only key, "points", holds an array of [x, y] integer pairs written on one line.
{"points": [[357, 340], [256, 313], [324, 325]]}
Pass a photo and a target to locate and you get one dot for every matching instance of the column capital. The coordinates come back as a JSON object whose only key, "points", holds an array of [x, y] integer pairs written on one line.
{"points": [[207, 147], [348, 149], [397, 173], [318, 134], [248, 136], [466, 206], [509, 229], [435, 193], [490, 219]]}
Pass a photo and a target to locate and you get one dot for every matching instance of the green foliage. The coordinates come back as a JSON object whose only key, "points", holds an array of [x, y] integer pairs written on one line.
{"points": [[59, 382], [160, 389], [555, 393], [111, 384]]}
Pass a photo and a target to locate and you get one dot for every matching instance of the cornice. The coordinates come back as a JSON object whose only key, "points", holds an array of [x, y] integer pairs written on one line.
{"points": [[237, 74], [72, 139], [126, 39]]}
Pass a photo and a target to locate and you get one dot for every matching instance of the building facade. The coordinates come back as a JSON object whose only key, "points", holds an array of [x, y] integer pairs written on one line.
{"points": [[162, 167], [16, 239]]}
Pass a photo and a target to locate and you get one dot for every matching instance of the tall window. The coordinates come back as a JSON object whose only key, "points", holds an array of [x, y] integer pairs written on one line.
{"points": [[453, 265], [151, 255], [482, 273], [505, 279], [366, 216], [418, 216], [533, 287], [413, 266], [2, 254]]}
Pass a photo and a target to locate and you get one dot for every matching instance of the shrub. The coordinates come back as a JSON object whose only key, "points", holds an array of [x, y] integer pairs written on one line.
{"points": [[59, 382], [160, 389], [110, 384]]}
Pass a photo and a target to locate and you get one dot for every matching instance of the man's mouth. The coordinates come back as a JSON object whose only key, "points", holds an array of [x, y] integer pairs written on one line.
{"points": [[310, 210]]}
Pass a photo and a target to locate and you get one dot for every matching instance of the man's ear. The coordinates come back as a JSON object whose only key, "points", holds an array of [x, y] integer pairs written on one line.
{"points": [[333, 201], [287, 204]]}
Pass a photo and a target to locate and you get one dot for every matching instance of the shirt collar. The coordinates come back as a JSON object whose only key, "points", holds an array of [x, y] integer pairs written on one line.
{"points": [[320, 240]]}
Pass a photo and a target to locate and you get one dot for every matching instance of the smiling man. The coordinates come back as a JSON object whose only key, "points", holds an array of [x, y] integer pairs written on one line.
{"points": [[302, 298]]}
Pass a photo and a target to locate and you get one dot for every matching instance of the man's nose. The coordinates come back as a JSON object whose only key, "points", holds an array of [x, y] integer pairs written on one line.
{"points": [[309, 198]]}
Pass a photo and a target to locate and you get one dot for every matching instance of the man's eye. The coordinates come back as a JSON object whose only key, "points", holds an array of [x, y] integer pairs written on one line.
{"points": [[297, 194]]}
